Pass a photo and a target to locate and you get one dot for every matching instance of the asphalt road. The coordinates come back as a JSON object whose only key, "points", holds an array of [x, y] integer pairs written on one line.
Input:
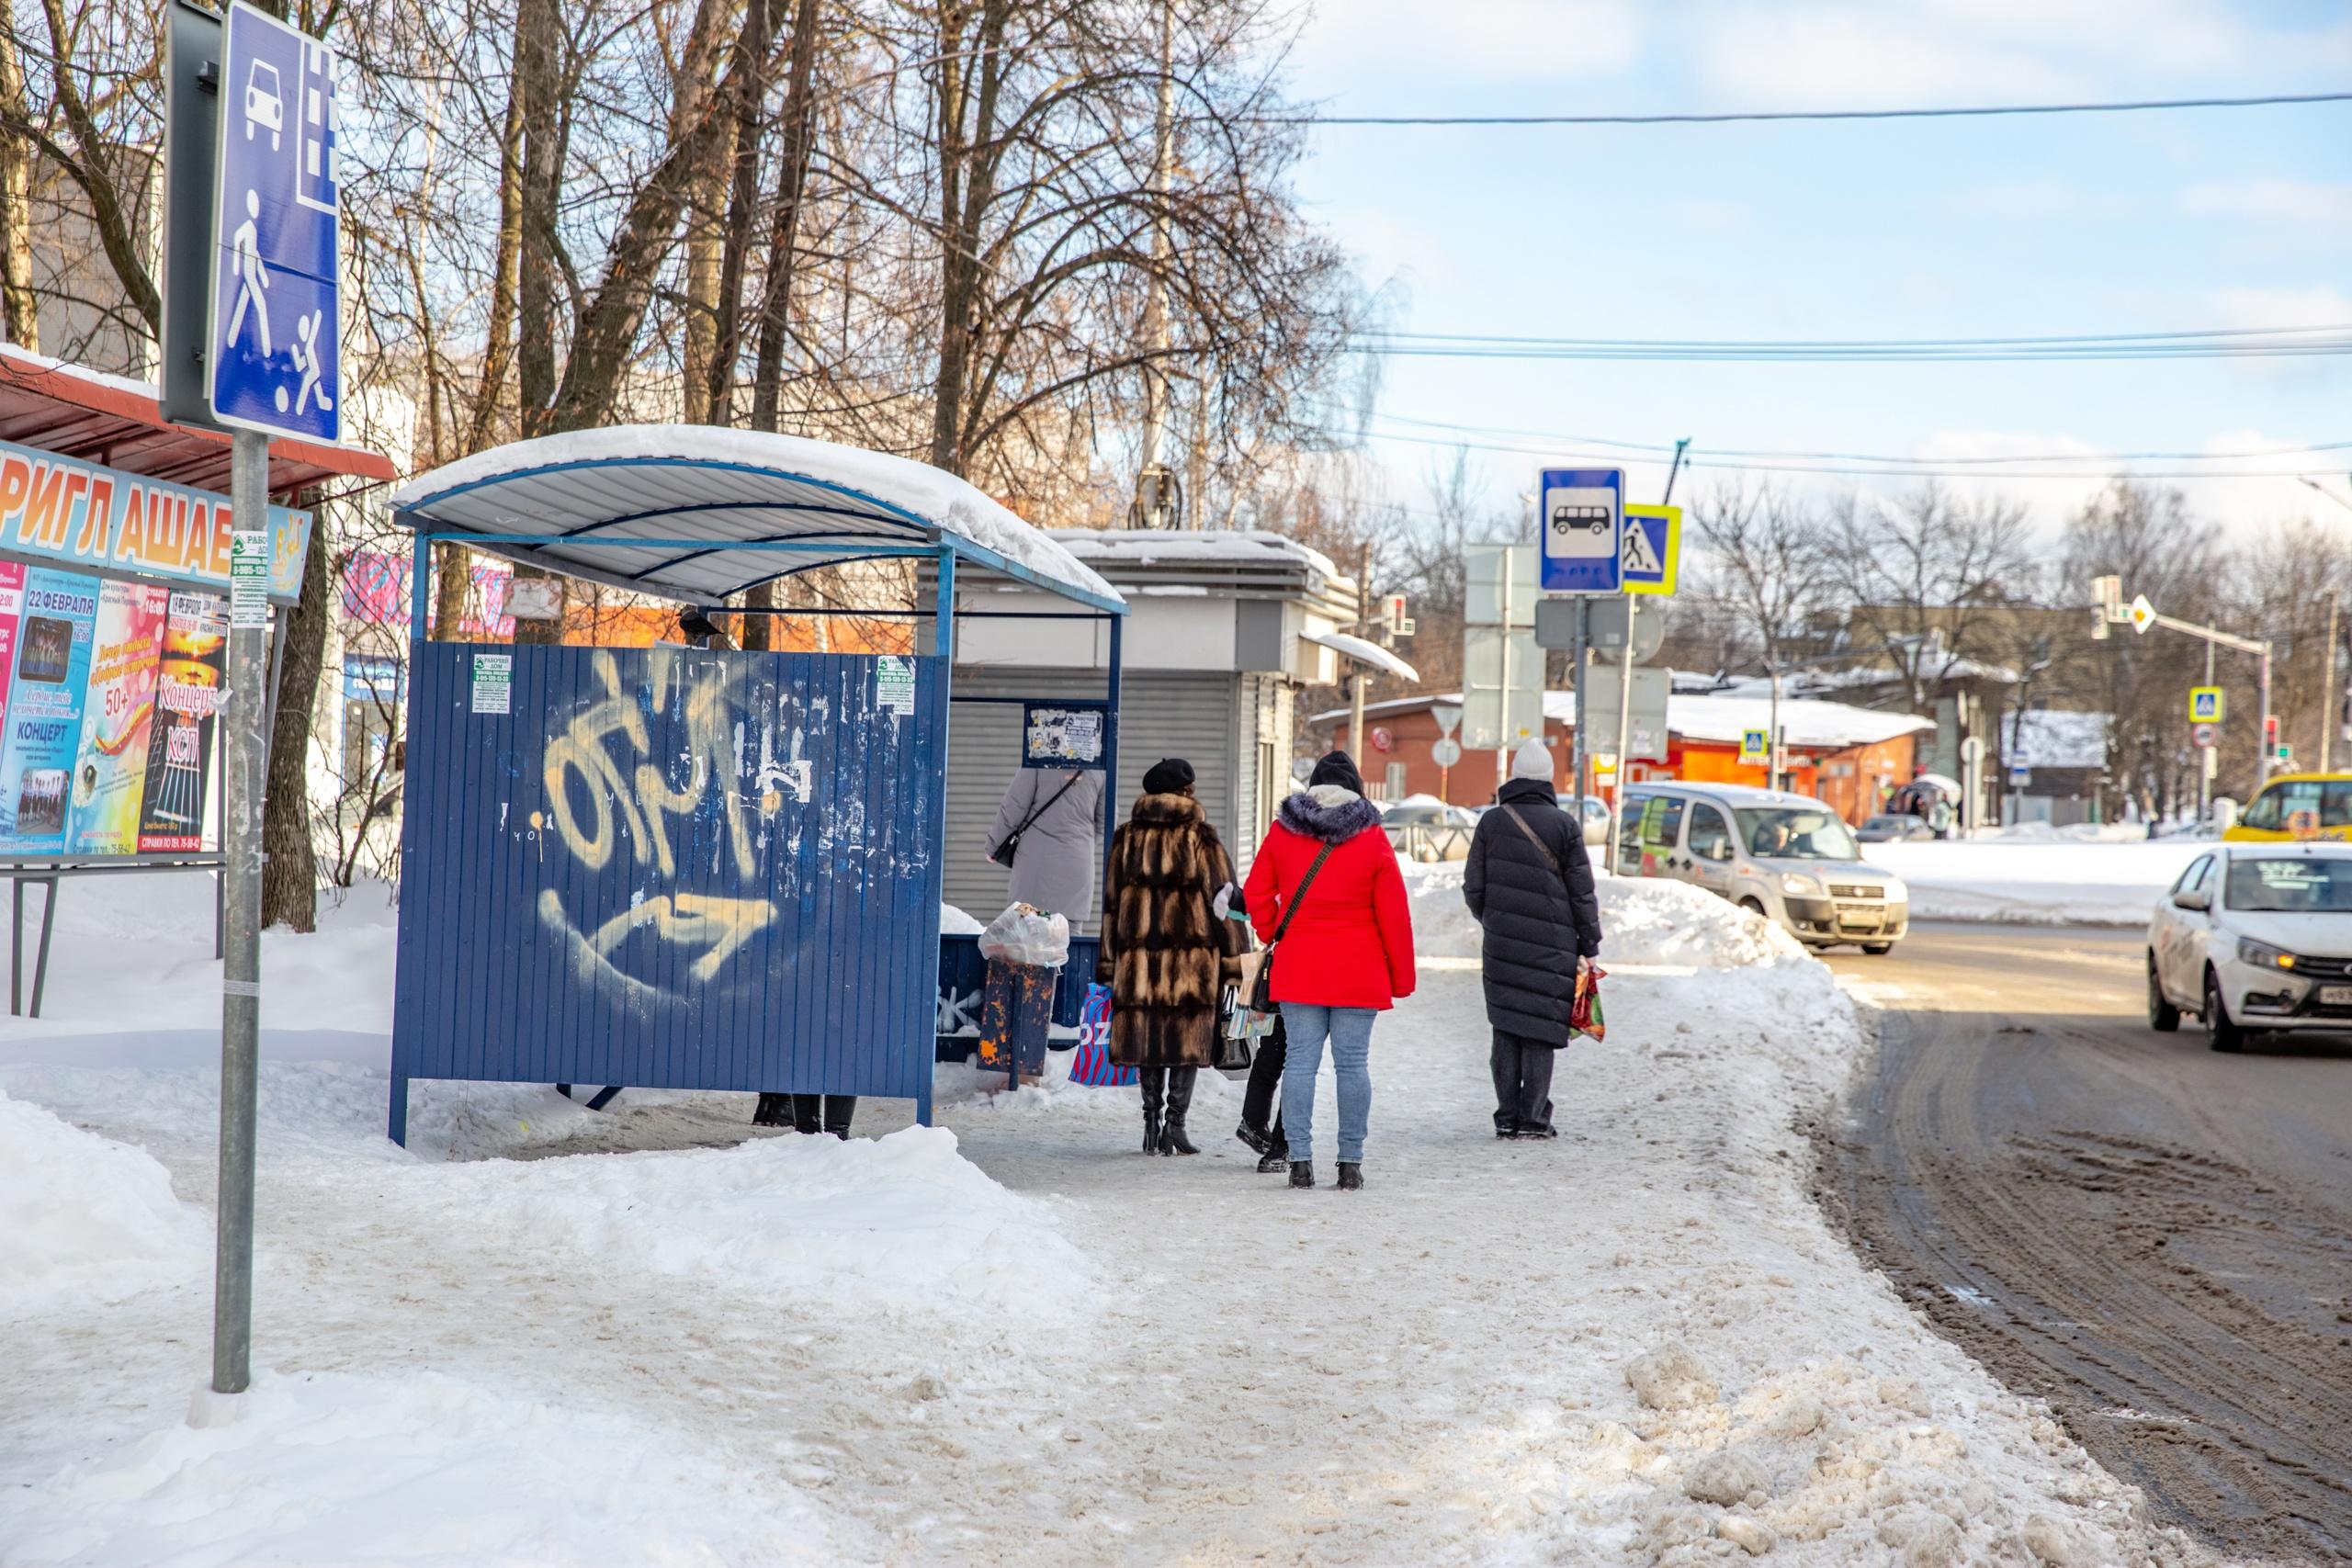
{"points": [[2154, 1237]]}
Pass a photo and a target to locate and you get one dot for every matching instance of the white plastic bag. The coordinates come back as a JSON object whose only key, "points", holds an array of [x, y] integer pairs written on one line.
{"points": [[1024, 935]]}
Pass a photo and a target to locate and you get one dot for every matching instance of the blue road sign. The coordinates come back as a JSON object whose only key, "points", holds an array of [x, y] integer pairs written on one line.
{"points": [[1652, 550], [1583, 519], [274, 338]]}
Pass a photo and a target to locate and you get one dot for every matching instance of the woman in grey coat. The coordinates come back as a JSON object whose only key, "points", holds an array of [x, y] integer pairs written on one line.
{"points": [[1053, 867]]}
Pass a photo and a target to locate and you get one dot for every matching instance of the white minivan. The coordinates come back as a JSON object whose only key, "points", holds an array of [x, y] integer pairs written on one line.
{"points": [[1790, 858]]}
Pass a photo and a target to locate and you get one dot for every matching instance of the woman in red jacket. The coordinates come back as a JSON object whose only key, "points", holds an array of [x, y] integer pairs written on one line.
{"points": [[1346, 956]]}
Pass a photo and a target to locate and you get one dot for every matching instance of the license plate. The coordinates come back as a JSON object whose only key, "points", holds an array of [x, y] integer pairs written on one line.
{"points": [[2336, 996]]}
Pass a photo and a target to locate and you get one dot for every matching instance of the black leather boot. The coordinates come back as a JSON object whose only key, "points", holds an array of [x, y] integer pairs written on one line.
{"points": [[839, 1109], [1350, 1177], [1173, 1140], [774, 1111], [1302, 1174], [1154, 1084], [1276, 1158]]}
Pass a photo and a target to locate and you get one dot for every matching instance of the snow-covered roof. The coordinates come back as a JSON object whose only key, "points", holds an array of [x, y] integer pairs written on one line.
{"points": [[1713, 716], [1364, 651], [716, 496], [2047, 739], [1150, 546]]}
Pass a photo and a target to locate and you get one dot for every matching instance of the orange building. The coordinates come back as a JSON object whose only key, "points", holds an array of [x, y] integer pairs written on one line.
{"points": [[1852, 758]]}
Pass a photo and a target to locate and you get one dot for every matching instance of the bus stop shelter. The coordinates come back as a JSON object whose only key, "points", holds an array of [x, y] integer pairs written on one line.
{"points": [[694, 868]]}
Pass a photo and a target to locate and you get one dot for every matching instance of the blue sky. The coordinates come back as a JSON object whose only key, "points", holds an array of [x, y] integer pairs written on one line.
{"points": [[2114, 223]]}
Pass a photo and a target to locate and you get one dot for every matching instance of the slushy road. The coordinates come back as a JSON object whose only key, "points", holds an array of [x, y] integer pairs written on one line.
{"points": [[2154, 1237]]}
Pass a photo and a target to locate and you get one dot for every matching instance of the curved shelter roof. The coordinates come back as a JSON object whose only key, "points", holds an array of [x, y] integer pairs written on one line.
{"points": [[698, 512]]}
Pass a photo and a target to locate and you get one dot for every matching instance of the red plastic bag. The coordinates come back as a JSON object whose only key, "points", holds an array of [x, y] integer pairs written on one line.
{"points": [[1584, 1014]]}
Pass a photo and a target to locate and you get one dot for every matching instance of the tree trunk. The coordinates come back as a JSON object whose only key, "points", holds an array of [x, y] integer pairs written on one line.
{"points": [[748, 75], [290, 878], [539, 35], [967, 157], [19, 312], [453, 581], [498, 335], [783, 231], [705, 264], [758, 633]]}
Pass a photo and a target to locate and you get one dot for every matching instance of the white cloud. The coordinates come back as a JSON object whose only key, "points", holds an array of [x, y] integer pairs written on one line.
{"points": [[2321, 306], [2305, 203], [1464, 41]]}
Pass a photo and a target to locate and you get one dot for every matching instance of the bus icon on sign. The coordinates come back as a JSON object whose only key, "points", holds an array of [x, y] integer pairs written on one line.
{"points": [[1591, 519]]}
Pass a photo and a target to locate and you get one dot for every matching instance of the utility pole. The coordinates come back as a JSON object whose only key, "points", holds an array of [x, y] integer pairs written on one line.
{"points": [[1156, 503], [1357, 679], [2327, 717]]}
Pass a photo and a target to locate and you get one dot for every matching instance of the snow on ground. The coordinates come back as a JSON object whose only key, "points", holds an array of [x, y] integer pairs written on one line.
{"points": [[2050, 880], [1015, 1339]]}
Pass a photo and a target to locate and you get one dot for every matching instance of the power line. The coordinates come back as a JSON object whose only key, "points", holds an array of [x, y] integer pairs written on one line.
{"points": [[2026, 341], [1664, 447], [1755, 115], [1889, 352]]}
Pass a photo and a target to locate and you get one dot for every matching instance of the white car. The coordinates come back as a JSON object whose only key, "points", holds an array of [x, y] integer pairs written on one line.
{"points": [[2254, 937]]}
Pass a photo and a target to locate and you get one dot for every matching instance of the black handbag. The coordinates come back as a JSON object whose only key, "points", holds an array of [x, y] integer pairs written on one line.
{"points": [[1260, 996], [1004, 853]]}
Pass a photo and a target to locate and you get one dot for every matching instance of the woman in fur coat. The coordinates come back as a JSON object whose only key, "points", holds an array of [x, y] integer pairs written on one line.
{"points": [[1165, 955]]}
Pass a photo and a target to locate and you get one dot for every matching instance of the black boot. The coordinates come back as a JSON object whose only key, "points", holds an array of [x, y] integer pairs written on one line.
{"points": [[774, 1111], [1302, 1174], [1260, 1143], [1276, 1158], [1154, 1084], [1350, 1177], [807, 1112], [839, 1109], [1173, 1140]]}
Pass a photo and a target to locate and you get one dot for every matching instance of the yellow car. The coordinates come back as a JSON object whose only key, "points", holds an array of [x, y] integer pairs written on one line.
{"points": [[2296, 806]]}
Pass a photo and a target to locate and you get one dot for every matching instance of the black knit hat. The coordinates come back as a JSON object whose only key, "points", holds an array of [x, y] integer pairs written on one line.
{"points": [[1170, 775], [1337, 768]]}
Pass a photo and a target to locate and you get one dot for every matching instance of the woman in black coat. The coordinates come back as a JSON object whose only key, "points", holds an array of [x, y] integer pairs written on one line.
{"points": [[1530, 883]]}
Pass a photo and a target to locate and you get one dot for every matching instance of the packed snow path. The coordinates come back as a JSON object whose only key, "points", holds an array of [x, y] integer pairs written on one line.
{"points": [[799, 1350]]}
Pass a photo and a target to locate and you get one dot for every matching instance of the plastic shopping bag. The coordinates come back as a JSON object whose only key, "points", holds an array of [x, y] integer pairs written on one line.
{"points": [[1026, 935], [1090, 1063], [1584, 1013]]}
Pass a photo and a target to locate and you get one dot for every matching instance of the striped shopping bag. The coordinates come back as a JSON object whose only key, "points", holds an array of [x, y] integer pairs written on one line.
{"points": [[1090, 1062]]}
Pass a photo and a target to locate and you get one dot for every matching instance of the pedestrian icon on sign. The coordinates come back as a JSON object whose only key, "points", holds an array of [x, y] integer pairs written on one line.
{"points": [[250, 276], [1641, 558]]}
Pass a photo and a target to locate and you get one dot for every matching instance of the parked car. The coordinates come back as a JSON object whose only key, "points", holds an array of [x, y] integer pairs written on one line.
{"points": [[1428, 829], [2296, 806], [1893, 829], [1789, 858], [2254, 937], [1592, 811]]}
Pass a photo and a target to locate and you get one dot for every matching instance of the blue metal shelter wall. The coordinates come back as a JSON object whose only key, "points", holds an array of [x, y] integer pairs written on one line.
{"points": [[670, 868]]}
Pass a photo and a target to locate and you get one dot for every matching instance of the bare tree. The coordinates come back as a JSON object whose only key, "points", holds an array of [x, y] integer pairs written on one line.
{"points": [[1926, 577], [1768, 564]]}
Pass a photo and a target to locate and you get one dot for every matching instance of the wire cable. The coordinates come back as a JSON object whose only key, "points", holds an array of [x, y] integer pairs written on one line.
{"points": [[1980, 111]]}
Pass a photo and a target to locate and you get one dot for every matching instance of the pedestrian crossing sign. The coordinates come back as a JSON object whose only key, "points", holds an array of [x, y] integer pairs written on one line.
{"points": [[2205, 704], [1652, 548], [1754, 745]]}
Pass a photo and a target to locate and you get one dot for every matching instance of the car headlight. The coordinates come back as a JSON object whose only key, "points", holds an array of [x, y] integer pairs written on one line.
{"points": [[2262, 956], [1791, 882]]}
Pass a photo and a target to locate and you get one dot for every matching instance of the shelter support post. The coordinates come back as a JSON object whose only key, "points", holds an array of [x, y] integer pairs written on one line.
{"points": [[943, 647], [1111, 751], [16, 941]]}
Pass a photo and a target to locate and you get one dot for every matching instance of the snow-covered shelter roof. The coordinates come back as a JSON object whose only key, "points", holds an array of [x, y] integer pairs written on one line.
{"points": [[719, 511], [1363, 650], [1145, 547]]}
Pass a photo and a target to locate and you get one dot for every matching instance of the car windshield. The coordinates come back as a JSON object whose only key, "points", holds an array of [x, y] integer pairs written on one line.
{"points": [[1796, 832], [2293, 885]]}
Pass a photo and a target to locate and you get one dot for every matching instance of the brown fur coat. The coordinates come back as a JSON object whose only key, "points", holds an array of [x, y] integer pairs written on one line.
{"points": [[1165, 955]]}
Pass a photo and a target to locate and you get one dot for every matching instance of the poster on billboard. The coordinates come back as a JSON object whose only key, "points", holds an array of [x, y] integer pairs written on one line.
{"points": [[191, 682], [40, 729], [110, 765], [84, 514]]}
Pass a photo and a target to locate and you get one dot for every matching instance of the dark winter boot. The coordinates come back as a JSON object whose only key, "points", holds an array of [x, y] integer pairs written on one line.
{"points": [[1173, 1140], [1260, 1143], [807, 1112], [774, 1111], [1154, 1084], [1350, 1177], [1302, 1174], [1276, 1158], [839, 1109]]}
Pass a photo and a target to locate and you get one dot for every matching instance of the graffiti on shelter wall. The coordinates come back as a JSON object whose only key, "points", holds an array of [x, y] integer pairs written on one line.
{"points": [[687, 778]]}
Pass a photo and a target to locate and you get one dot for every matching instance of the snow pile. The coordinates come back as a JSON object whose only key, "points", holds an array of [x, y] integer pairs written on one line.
{"points": [[901, 1223], [83, 1218], [953, 921], [2054, 881], [417, 1467], [2072, 833], [1644, 920]]}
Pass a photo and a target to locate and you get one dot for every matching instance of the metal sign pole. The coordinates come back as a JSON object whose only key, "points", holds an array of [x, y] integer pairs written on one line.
{"points": [[232, 1307], [1624, 729], [1578, 752]]}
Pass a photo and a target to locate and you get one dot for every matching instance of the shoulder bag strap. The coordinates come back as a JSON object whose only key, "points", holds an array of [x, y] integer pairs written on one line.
{"points": [[1306, 882], [1031, 820], [1537, 839]]}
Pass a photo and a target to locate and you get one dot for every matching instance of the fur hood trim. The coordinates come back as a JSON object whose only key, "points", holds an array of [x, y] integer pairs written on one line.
{"points": [[1166, 810], [1330, 813]]}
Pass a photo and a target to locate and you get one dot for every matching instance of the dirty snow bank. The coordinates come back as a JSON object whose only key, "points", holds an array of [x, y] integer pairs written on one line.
{"points": [[2038, 880], [83, 1217], [1644, 920], [417, 1467]]}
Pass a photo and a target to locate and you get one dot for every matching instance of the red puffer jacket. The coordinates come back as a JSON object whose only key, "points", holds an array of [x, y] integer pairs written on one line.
{"points": [[1352, 946]]}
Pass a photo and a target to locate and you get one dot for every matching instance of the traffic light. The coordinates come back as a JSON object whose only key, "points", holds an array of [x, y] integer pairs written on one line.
{"points": [[2271, 734]]}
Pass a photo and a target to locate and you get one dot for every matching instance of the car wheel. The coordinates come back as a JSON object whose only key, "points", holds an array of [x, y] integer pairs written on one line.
{"points": [[2163, 1017], [1753, 908], [1878, 948], [2221, 1031]]}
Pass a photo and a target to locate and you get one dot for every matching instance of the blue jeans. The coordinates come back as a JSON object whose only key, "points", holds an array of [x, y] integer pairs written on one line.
{"points": [[1350, 1030]]}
